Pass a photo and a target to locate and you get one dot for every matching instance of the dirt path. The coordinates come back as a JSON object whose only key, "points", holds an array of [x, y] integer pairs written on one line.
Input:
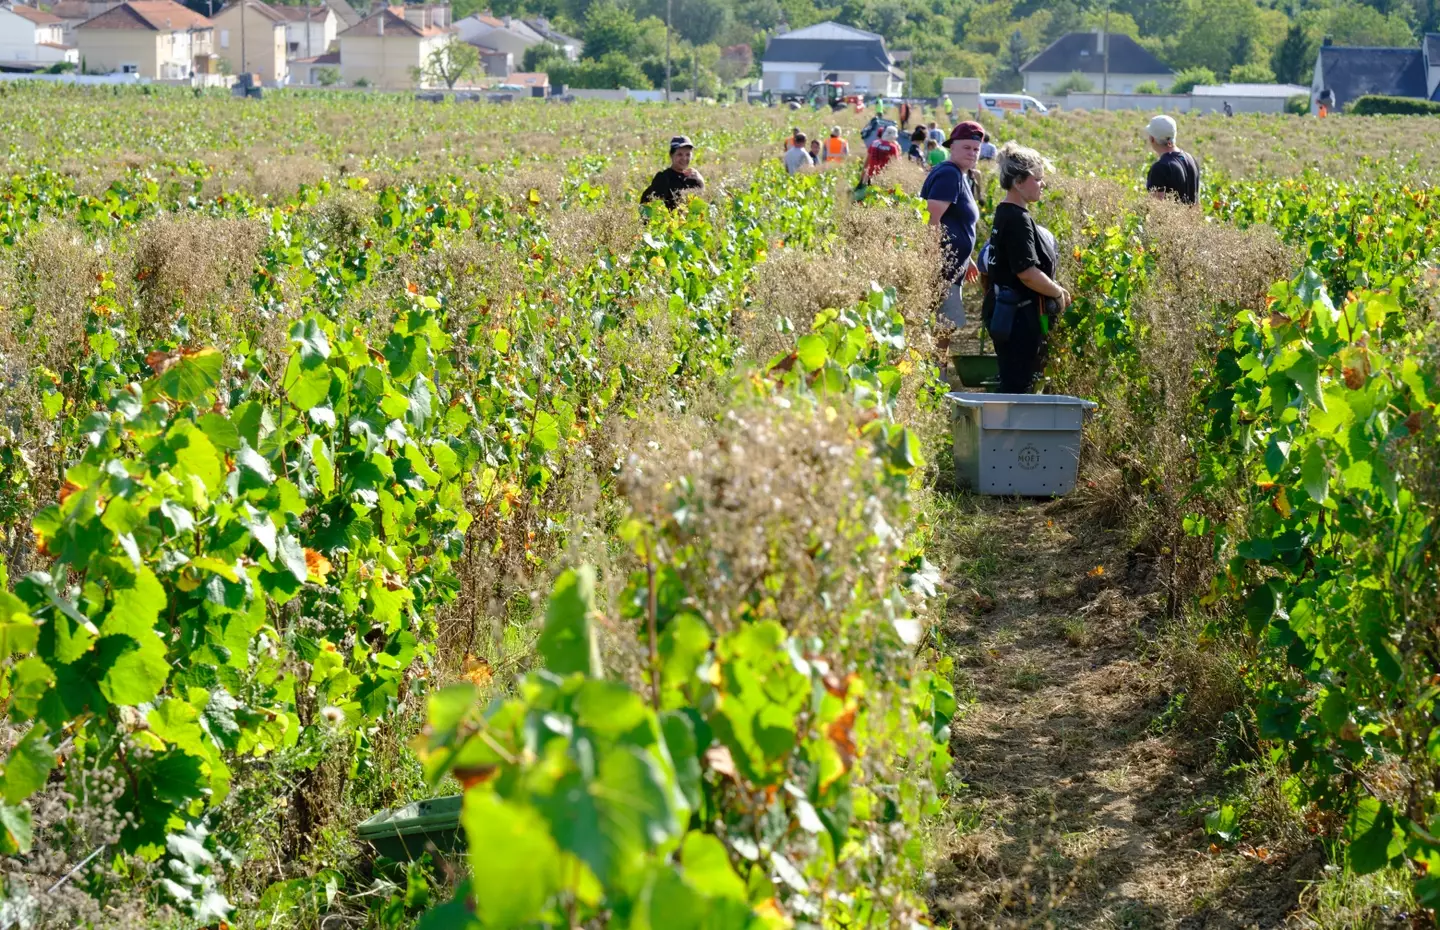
{"points": [[1077, 810]]}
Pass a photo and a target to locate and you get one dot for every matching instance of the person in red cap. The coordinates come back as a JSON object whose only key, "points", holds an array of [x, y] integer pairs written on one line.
{"points": [[951, 202]]}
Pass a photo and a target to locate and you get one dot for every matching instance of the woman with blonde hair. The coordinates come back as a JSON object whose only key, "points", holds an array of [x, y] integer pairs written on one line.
{"points": [[1020, 264]]}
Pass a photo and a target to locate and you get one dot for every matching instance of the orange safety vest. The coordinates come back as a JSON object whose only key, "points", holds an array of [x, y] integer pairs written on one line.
{"points": [[835, 149]]}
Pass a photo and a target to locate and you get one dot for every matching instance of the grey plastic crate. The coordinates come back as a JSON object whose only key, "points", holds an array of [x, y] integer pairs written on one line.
{"points": [[1022, 444]]}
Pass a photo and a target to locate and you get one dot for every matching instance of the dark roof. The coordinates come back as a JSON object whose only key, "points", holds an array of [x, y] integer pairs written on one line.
{"points": [[329, 58], [1078, 51], [1432, 48], [541, 25], [265, 10], [152, 15], [1353, 72], [856, 53], [345, 11]]}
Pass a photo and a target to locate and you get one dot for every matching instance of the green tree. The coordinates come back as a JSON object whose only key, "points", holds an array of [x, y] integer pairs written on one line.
{"points": [[449, 63], [1186, 80], [1217, 34], [1351, 23], [609, 28], [1294, 56], [1252, 73], [1149, 87], [1075, 83]]}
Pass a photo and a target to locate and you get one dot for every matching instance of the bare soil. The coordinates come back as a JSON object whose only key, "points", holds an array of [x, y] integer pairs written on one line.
{"points": [[1080, 805]]}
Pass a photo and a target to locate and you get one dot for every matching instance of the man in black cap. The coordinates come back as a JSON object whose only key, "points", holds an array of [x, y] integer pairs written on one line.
{"points": [[675, 183]]}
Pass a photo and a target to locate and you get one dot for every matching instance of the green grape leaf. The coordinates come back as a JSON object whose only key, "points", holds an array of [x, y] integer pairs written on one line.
{"points": [[514, 859], [16, 832], [1315, 473], [190, 376], [305, 384], [28, 765], [136, 669], [567, 643]]}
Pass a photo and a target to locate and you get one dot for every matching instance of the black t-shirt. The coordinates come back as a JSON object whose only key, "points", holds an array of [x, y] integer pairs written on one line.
{"points": [[670, 186], [1175, 173], [1017, 245]]}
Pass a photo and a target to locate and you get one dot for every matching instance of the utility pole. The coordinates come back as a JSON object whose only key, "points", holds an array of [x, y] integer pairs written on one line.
{"points": [[668, 4], [1105, 76], [244, 57]]}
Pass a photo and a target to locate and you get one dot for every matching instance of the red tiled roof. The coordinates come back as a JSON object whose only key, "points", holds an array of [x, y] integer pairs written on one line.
{"points": [[38, 17], [66, 48], [153, 15], [395, 23], [329, 58]]}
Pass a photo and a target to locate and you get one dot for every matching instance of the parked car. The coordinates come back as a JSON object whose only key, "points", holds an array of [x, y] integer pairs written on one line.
{"points": [[1005, 104]]}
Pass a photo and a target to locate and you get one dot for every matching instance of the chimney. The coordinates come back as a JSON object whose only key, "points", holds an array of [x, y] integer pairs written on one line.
{"points": [[1329, 41]]}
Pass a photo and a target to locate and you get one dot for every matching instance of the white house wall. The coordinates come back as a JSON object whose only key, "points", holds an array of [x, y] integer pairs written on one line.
{"points": [[1044, 82], [22, 40]]}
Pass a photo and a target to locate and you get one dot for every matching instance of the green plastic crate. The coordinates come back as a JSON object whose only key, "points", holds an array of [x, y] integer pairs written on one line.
{"points": [[976, 370], [405, 833]]}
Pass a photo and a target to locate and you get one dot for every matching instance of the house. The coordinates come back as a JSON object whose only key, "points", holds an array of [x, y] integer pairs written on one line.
{"points": [[792, 60], [505, 36], [385, 48], [1244, 98], [157, 39], [493, 62], [1130, 66], [309, 30], [250, 39], [1348, 72], [345, 13], [308, 71], [570, 45], [31, 37], [74, 12]]}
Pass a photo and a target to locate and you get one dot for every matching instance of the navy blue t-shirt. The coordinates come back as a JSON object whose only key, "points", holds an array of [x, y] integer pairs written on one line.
{"points": [[957, 223]]}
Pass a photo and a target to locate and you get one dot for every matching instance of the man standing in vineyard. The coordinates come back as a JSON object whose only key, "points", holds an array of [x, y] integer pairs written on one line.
{"points": [[795, 156], [675, 184], [1174, 173], [951, 202]]}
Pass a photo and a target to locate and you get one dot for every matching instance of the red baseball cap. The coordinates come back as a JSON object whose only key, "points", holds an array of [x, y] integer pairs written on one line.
{"points": [[968, 130]]}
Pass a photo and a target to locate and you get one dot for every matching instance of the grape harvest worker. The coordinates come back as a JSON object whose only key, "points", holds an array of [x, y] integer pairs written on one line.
{"points": [[796, 157], [951, 203], [675, 184], [1174, 173], [881, 153], [1020, 269], [836, 148]]}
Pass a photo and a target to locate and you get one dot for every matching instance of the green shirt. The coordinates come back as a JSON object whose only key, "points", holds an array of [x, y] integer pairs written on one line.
{"points": [[935, 157]]}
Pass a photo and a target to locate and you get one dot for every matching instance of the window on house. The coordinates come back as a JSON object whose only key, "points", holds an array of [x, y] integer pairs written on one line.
{"points": [[224, 38], [129, 69]]}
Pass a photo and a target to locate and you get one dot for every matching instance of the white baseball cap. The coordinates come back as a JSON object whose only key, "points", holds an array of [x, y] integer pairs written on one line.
{"points": [[1161, 128], [890, 134]]}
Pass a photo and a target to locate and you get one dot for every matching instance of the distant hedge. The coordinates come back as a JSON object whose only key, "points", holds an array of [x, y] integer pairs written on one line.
{"points": [[1376, 105]]}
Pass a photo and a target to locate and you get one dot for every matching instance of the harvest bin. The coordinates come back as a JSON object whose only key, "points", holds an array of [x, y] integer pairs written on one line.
{"points": [[1022, 444], [976, 371], [405, 833]]}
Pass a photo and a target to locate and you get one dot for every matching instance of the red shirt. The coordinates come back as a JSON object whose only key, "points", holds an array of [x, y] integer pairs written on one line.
{"points": [[879, 155]]}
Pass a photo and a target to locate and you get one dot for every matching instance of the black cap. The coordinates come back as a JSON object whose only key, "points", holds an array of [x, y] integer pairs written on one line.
{"points": [[680, 142]]}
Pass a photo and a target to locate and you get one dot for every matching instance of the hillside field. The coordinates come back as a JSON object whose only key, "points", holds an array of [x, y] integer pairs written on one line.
{"points": [[356, 450]]}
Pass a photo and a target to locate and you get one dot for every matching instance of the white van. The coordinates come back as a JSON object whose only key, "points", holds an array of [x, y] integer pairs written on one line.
{"points": [[1005, 104]]}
